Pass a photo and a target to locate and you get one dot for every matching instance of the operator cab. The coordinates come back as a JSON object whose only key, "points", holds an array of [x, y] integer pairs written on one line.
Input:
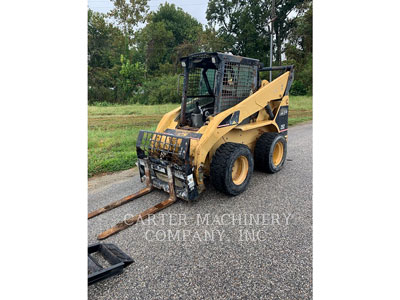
{"points": [[214, 82]]}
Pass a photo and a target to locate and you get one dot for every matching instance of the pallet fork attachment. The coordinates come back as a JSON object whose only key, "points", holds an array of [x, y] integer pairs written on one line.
{"points": [[146, 190], [143, 215]]}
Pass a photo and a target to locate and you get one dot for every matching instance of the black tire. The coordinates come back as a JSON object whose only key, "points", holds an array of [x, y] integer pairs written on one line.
{"points": [[264, 152], [222, 164]]}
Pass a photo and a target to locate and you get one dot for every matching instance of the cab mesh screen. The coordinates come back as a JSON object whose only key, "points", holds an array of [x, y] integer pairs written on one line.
{"points": [[237, 84]]}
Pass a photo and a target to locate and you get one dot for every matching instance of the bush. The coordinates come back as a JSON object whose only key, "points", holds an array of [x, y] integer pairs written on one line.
{"points": [[100, 93], [158, 90], [298, 88], [101, 85], [130, 77], [104, 104], [302, 85]]}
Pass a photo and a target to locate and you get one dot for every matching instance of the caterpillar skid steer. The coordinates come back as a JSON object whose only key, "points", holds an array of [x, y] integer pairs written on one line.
{"points": [[229, 122]]}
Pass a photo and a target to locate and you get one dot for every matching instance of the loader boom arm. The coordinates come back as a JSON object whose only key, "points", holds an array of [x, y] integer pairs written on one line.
{"points": [[254, 103]]}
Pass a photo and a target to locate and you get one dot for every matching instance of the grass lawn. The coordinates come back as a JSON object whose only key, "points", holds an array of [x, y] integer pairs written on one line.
{"points": [[300, 109], [113, 131]]}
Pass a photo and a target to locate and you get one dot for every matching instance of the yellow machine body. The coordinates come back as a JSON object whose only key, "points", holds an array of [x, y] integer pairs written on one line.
{"points": [[203, 149], [242, 122]]}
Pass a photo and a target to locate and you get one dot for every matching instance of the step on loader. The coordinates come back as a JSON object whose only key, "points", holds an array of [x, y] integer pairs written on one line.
{"points": [[115, 261], [229, 122]]}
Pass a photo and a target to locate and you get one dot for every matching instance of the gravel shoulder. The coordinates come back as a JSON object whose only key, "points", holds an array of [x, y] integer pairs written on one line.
{"points": [[99, 182]]}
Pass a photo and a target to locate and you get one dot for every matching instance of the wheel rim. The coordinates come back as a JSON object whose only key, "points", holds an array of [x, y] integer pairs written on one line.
{"points": [[240, 169], [278, 153]]}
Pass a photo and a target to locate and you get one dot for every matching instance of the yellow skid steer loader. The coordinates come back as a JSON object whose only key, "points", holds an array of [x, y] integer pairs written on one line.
{"points": [[229, 122]]}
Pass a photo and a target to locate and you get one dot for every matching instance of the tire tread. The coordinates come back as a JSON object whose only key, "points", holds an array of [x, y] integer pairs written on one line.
{"points": [[219, 165], [261, 151]]}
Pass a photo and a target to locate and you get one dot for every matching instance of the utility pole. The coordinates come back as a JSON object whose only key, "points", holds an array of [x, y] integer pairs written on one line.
{"points": [[272, 40]]}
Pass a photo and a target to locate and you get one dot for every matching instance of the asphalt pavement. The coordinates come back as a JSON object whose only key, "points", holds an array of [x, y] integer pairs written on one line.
{"points": [[257, 245]]}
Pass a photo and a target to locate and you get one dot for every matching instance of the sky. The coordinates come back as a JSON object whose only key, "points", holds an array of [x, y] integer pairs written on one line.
{"points": [[196, 8]]}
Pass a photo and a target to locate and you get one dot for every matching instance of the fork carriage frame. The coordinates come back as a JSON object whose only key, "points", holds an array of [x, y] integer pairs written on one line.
{"points": [[162, 151]]}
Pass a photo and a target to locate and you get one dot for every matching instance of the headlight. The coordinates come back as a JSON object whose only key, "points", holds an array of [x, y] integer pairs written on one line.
{"points": [[213, 60], [183, 64]]}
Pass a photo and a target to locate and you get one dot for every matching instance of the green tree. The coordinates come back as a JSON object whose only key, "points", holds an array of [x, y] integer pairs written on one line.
{"points": [[210, 41], [105, 43], [299, 43], [128, 14], [162, 89], [284, 24], [244, 24], [169, 34], [299, 50], [132, 76], [154, 43], [182, 25]]}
